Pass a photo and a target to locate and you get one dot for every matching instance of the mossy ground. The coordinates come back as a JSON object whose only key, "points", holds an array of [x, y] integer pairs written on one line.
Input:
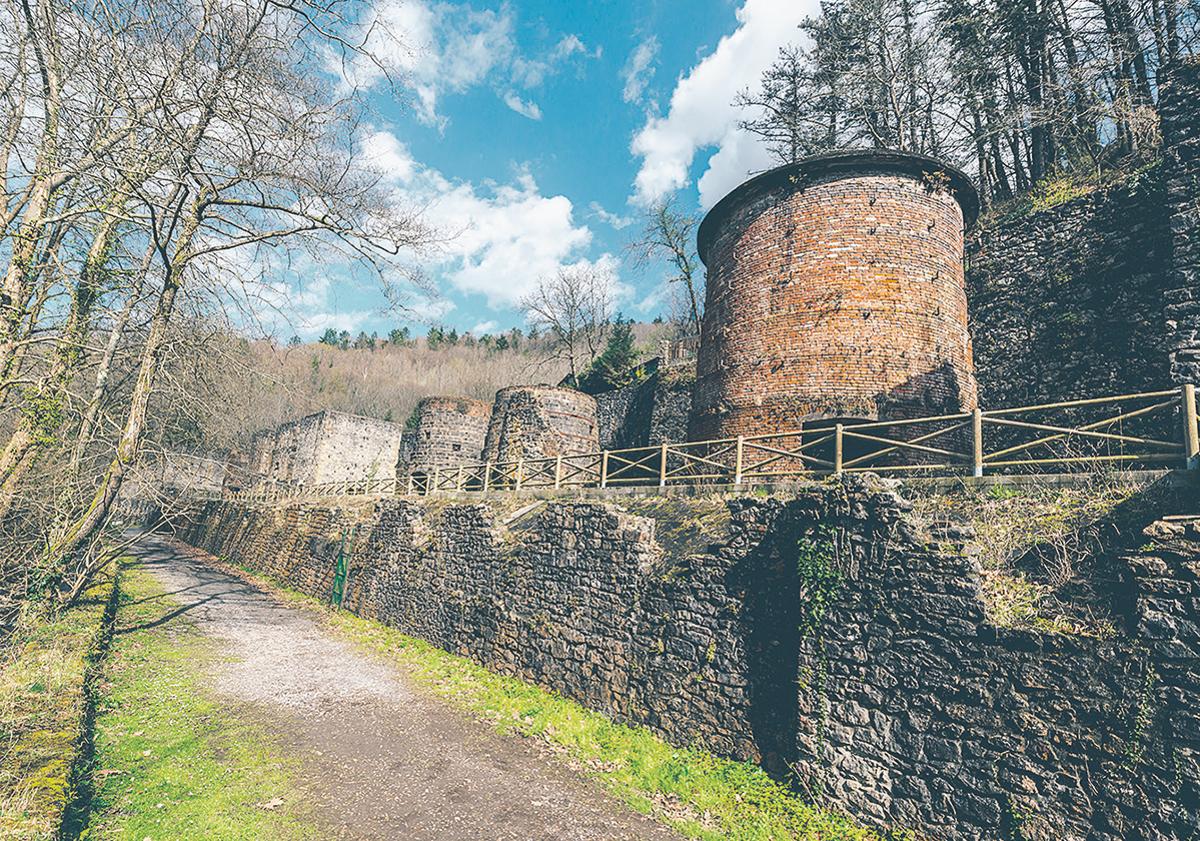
{"points": [[171, 760], [701, 795], [42, 703]]}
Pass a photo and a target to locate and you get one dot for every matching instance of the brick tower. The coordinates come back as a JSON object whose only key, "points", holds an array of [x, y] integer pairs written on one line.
{"points": [[446, 431], [835, 290]]}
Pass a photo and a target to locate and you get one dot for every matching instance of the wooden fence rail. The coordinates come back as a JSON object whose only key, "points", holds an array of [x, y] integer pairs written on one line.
{"points": [[1152, 428]]}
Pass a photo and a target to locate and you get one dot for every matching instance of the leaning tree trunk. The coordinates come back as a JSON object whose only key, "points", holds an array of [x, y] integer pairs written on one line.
{"points": [[80, 533]]}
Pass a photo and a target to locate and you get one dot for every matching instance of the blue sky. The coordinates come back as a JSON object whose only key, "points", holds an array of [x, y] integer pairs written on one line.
{"points": [[535, 132]]}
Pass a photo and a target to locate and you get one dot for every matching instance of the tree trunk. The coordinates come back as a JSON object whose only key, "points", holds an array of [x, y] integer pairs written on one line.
{"points": [[39, 423], [84, 529]]}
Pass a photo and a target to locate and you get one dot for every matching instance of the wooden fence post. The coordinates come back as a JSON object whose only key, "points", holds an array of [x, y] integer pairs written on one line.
{"points": [[977, 442], [662, 467], [487, 476], [458, 480], [837, 449], [557, 472], [1191, 428], [604, 469], [520, 471], [410, 484], [737, 464], [437, 476]]}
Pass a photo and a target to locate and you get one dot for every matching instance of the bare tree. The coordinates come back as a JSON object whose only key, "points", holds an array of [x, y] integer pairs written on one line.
{"points": [[162, 147], [669, 235], [574, 307], [1023, 91]]}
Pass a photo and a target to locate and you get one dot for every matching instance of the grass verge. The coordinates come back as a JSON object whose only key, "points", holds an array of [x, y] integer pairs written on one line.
{"points": [[171, 761], [701, 795], [44, 712]]}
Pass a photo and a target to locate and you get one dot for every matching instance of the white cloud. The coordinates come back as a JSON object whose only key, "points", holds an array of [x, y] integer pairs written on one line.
{"points": [[384, 152], [523, 107], [437, 48], [569, 46], [531, 73], [638, 69], [701, 114], [501, 238], [616, 221], [429, 310], [431, 49], [484, 327]]}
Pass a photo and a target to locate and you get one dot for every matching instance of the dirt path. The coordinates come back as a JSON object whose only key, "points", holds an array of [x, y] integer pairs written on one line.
{"points": [[381, 758]]}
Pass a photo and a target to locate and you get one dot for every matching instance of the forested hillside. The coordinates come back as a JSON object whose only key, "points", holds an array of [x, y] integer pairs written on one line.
{"points": [[1016, 92], [219, 398]]}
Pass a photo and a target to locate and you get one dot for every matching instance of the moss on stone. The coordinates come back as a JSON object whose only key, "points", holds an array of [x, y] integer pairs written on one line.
{"points": [[43, 680], [683, 526]]}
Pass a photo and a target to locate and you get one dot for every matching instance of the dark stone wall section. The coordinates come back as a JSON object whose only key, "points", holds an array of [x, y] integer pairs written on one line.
{"points": [[1068, 302], [1180, 109], [649, 412], [825, 636], [1099, 294]]}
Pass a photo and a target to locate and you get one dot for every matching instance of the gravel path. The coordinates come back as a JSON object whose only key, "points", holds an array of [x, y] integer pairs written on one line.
{"points": [[381, 759]]}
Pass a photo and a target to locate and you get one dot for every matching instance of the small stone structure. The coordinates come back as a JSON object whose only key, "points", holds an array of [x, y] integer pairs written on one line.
{"points": [[833, 633], [326, 447], [835, 289], [653, 410], [541, 421], [445, 431]]}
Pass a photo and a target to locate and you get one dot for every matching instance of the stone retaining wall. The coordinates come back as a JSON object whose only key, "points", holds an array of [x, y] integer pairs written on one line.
{"points": [[828, 633], [1099, 294]]}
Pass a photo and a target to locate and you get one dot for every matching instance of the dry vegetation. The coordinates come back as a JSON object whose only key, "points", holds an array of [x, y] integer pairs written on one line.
{"points": [[219, 399], [1045, 552]]}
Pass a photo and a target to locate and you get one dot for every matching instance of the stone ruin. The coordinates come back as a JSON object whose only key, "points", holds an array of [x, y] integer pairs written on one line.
{"points": [[444, 431], [538, 421]]}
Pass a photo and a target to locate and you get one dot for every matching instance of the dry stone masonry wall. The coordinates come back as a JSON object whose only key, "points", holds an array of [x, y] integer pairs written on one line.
{"points": [[828, 633], [648, 412], [1180, 107], [1099, 294]]}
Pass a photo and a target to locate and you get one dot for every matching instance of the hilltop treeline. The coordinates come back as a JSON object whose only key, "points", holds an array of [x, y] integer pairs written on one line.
{"points": [[216, 400], [1018, 91]]}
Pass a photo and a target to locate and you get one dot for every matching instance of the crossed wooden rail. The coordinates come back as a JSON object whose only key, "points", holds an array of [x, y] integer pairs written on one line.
{"points": [[1158, 427]]}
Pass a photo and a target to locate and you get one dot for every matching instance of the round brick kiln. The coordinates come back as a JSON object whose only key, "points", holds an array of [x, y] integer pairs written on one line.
{"points": [[446, 431], [541, 422], [835, 290]]}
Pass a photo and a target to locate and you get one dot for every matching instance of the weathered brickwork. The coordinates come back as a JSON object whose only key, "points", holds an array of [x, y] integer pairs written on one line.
{"points": [[537, 421], [828, 632], [1180, 109], [326, 447], [445, 431], [835, 289], [651, 411]]}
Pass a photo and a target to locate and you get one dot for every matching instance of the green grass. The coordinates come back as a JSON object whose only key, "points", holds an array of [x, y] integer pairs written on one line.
{"points": [[172, 762], [42, 704], [701, 795]]}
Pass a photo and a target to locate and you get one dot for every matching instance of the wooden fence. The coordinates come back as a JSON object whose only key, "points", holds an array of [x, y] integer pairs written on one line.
{"points": [[1136, 430]]}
